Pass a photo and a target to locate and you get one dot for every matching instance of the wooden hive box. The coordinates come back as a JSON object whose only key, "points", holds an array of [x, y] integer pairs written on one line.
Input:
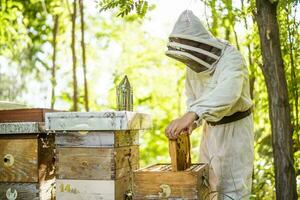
{"points": [[96, 153], [27, 161], [179, 180], [159, 181]]}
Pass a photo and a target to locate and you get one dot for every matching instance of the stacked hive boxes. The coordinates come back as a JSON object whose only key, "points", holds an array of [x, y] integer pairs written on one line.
{"points": [[96, 153], [26, 156]]}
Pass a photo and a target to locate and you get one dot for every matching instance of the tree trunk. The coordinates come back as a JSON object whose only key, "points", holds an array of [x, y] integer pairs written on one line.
{"points": [[53, 72], [86, 96], [75, 89], [279, 110]]}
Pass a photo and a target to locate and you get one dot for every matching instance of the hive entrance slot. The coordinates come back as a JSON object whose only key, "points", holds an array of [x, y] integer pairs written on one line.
{"points": [[8, 160]]}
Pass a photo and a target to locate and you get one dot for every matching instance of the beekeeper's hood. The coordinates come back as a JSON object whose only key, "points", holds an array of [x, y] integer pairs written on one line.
{"points": [[191, 44]]}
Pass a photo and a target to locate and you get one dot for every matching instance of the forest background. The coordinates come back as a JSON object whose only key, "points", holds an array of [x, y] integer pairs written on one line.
{"points": [[70, 55]]}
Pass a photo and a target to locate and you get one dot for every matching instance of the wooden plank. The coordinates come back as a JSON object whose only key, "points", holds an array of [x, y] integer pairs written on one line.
{"points": [[46, 157], [97, 139], [91, 121], [95, 163], [24, 115], [155, 184], [84, 163], [18, 160], [126, 155], [19, 190], [125, 171], [179, 150], [123, 187], [85, 139], [182, 185], [93, 189], [85, 189], [20, 128], [126, 138]]}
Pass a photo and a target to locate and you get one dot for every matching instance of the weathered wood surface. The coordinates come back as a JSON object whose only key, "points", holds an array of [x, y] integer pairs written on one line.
{"points": [[30, 191], [123, 186], [19, 190], [93, 189], [95, 163], [110, 120], [24, 115], [97, 139], [126, 138], [85, 189], [125, 155], [125, 171], [46, 158], [160, 182], [21, 128], [84, 163], [179, 150], [19, 160]]}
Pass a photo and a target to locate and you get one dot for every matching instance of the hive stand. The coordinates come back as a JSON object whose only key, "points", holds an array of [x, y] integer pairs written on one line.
{"points": [[96, 153]]}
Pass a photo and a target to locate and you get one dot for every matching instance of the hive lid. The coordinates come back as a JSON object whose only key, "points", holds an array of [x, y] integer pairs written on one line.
{"points": [[24, 115], [21, 128], [107, 120]]}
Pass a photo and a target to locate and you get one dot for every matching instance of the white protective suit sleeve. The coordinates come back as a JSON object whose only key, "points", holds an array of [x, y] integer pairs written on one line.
{"points": [[190, 98], [215, 104]]}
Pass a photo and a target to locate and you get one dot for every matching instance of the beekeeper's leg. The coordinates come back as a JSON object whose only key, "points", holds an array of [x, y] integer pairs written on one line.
{"points": [[205, 158], [229, 148]]}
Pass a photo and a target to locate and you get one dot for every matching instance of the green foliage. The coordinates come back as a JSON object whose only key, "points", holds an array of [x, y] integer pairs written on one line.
{"points": [[25, 32], [125, 6]]}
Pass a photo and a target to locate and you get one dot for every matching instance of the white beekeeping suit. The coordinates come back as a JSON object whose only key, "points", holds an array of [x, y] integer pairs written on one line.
{"points": [[217, 89]]}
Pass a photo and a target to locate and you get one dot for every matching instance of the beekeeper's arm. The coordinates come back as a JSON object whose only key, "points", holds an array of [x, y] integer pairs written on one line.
{"points": [[183, 123], [190, 98], [214, 105]]}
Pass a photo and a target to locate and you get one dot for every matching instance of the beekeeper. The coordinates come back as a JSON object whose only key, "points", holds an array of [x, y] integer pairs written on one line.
{"points": [[217, 90]]}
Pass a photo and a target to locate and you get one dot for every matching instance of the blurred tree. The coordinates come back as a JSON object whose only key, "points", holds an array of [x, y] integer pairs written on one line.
{"points": [[26, 29], [74, 59], [86, 96], [53, 71]]}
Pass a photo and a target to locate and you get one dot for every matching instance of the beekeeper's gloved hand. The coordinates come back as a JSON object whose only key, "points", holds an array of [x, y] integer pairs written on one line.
{"points": [[181, 125]]}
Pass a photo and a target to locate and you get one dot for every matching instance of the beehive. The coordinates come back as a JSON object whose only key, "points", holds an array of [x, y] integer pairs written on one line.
{"points": [[96, 153], [179, 180], [159, 181], [27, 161]]}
